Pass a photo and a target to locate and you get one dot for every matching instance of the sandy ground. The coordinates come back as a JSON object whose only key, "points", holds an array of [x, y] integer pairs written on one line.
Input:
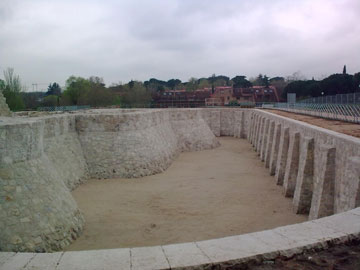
{"points": [[203, 195], [335, 125]]}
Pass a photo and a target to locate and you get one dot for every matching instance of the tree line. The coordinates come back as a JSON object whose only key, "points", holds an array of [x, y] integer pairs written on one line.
{"points": [[93, 91]]}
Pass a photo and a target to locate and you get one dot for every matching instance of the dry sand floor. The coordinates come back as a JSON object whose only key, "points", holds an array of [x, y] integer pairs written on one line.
{"points": [[203, 195]]}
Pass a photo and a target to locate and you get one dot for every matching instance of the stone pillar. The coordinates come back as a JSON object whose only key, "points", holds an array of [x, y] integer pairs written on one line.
{"points": [[282, 156], [264, 140], [251, 127], [259, 137], [254, 130], [269, 144], [350, 186], [292, 165], [305, 178], [322, 203], [275, 149], [242, 126]]}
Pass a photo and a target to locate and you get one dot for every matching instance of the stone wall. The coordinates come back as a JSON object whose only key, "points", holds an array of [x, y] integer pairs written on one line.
{"points": [[140, 143], [4, 109], [43, 158], [318, 168], [37, 211]]}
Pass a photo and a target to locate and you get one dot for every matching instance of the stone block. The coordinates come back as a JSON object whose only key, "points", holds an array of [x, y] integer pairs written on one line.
{"points": [[184, 255], [270, 139], [106, 259], [282, 156], [305, 177], [234, 250], [309, 234], [144, 258], [18, 261], [255, 129], [322, 203], [260, 135], [4, 256], [346, 225], [292, 165], [275, 149], [264, 139], [44, 261], [349, 196]]}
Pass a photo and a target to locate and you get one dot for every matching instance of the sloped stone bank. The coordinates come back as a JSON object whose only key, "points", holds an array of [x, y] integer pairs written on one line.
{"points": [[42, 159]]}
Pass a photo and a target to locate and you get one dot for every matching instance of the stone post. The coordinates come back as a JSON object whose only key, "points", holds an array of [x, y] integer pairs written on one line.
{"points": [[282, 156], [275, 149], [292, 165], [269, 144], [264, 140], [305, 178], [322, 203]]}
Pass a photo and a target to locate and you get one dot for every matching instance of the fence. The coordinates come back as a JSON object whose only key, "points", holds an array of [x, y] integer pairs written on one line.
{"points": [[344, 107], [63, 108], [350, 98]]}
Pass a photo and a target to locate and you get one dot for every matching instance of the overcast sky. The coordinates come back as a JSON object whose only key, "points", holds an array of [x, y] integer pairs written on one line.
{"points": [[47, 41]]}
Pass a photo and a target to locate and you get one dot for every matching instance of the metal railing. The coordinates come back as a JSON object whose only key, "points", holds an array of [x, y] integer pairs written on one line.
{"points": [[344, 107], [63, 108], [350, 98]]}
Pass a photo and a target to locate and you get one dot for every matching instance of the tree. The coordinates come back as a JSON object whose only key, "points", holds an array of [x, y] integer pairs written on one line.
{"points": [[266, 81], [136, 96], [32, 100], [338, 84], [53, 89], [96, 80], [241, 82], [172, 83], [203, 83], [50, 101], [356, 79], [11, 88], [296, 76], [76, 89], [191, 85], [344, 69]]}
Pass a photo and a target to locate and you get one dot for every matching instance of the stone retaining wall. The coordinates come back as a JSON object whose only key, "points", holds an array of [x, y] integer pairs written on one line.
{"points": [[319, 168], [42, 159]]}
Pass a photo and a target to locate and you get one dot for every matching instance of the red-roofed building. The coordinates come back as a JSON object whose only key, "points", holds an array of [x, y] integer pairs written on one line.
{"points": [[221, 96]]}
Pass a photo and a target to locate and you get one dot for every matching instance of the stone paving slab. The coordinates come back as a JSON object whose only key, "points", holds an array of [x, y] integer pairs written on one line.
{"points": [[44, 261], [210, 254], [234, 249], [18, 261], [105, 259], [186, 255], [4, 256], [144, 258], [347, 223], [308, 234]]}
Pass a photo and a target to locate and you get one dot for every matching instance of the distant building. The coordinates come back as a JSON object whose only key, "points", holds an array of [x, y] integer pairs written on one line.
{"points": [[221, 96]]}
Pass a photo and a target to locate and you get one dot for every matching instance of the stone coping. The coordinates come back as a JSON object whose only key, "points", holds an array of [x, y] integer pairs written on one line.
{"points": [[222, 253]]}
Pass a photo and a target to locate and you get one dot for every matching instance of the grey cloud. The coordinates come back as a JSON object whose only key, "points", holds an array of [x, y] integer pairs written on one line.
{"points": [[48, 41]]}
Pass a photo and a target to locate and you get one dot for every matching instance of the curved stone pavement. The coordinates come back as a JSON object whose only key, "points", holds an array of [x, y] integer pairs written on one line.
{"points": [[222, 253]]}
